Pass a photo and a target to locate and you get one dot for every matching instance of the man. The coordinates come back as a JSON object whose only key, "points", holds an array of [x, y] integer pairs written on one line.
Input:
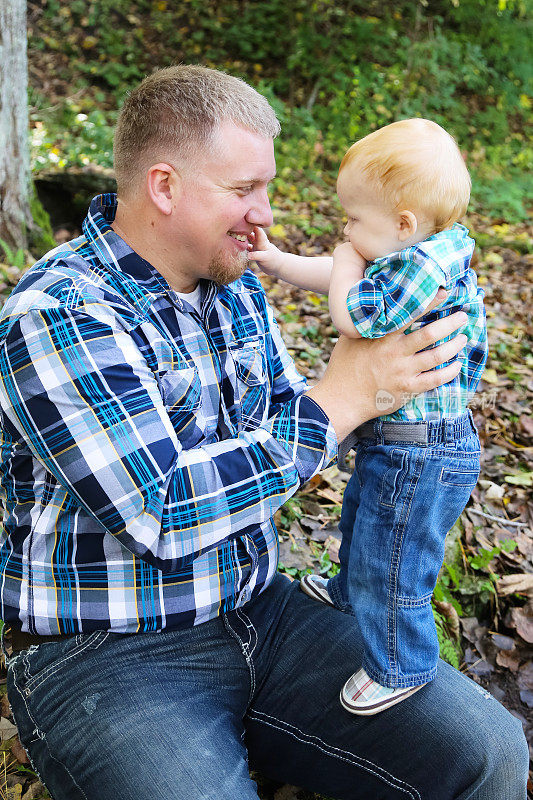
{"points": [[152, 424]]}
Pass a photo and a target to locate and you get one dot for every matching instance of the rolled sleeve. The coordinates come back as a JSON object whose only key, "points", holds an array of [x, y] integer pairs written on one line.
{"points": [[385, 303]]}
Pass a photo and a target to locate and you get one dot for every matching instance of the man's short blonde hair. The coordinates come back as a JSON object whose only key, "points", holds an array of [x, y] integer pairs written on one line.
{"points": [[174, 114], [416, 165]]}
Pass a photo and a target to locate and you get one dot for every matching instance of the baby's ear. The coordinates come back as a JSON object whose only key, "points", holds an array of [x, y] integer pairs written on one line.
{"points": [[407, 225]]}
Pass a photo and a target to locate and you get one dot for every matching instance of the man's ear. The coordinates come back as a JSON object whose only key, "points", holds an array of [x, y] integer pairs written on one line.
{"points": [[407, 225], [163, 185]]}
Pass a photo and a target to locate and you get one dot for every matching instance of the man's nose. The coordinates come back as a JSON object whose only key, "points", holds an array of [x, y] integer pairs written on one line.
{"points": [[346, 230], [260, 212]]}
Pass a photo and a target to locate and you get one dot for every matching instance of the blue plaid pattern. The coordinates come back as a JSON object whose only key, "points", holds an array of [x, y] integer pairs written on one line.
{"points": [[144, 447], [397, 288]]}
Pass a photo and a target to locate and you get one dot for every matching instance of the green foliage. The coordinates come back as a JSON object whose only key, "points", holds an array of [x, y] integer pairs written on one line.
{"points": [[449, 647], [483, 557], [40, 236], [289, 512], [13, 258], [66, 135], [467, 582], [334, 71], [328, 568]]}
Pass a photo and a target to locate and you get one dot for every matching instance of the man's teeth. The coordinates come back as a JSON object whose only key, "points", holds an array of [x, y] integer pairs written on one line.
{"points": [[241, 237]]}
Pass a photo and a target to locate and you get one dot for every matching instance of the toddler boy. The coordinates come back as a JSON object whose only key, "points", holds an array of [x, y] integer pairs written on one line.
{"points": [[403, 188]]}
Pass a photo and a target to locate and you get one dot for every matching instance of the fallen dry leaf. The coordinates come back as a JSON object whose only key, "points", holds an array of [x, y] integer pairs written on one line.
{"points": [[332, 545], [19, 752], [7, 729], [295, 558], [522, 620], [526, 423], [503, 642], [525, 676], [36, 790], [5, 710], [287, 793], [509, 584], [330, 494], [508, 660], [450, 614]]}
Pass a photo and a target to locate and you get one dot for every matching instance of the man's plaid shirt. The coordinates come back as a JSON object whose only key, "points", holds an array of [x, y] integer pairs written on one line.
{"points": [[144, 447], [397, 288]]}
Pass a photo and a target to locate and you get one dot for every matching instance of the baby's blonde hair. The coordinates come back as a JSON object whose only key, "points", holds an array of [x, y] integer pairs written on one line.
{"points": [[415, 164]]}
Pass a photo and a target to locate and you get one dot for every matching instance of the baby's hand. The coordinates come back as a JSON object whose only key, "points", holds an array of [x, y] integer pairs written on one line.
{"points": [[348, 262], [269, 257]]}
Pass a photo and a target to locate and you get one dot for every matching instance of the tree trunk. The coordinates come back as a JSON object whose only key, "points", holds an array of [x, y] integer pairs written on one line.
{"points": [[15, 186]]}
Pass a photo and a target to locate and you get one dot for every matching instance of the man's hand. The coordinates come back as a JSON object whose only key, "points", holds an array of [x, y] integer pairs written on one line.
{"points": [[269, 257], [363, 373]]}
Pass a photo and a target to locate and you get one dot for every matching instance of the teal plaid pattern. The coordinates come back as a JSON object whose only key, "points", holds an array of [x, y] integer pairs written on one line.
{"points": [[145, 447], [398, 287]]}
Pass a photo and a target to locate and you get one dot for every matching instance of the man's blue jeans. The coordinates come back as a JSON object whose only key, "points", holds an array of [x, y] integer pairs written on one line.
{"points": [[400, 503], [176, 715]]}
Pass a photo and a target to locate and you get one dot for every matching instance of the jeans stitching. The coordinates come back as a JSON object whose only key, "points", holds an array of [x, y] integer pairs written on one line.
{"points": [[76, 784], [36, 730], [40, 734], [336, 752], [395, 563], [245, 652], [413, 602], [249, 624], [463, 473], [248, 655], [396, 490], [22, 692], [34, 683]]}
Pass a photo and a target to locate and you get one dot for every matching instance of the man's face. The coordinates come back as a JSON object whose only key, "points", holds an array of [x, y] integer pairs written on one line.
{"points": [[223, 196]]}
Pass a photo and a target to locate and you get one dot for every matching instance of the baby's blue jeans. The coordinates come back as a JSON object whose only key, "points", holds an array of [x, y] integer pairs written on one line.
{"points": [[411, 483]]}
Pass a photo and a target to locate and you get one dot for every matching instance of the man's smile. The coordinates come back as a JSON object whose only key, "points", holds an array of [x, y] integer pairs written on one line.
{"points": [[242, 239]]}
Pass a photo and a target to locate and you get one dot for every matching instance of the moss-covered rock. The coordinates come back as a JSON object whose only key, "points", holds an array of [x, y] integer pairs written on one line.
{"points": [[40, 235]]}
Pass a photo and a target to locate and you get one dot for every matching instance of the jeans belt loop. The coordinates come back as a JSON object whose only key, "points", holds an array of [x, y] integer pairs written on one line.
{"points": [[451, 431]]}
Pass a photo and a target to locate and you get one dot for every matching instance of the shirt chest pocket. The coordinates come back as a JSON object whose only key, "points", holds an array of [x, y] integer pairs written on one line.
{"points": [[181, 390], [251, 382]]}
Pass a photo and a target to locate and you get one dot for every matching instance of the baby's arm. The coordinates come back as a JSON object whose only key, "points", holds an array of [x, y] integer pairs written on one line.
{"points": [[311, 273], [348, 269]]}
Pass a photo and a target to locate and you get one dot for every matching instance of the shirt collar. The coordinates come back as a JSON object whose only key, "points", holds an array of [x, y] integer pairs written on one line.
{"points": [[457, 234], [115, 254]]}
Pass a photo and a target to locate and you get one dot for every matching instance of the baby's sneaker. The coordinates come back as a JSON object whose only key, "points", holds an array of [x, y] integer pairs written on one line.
{"points": [[361, 695], [316, 587]]}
